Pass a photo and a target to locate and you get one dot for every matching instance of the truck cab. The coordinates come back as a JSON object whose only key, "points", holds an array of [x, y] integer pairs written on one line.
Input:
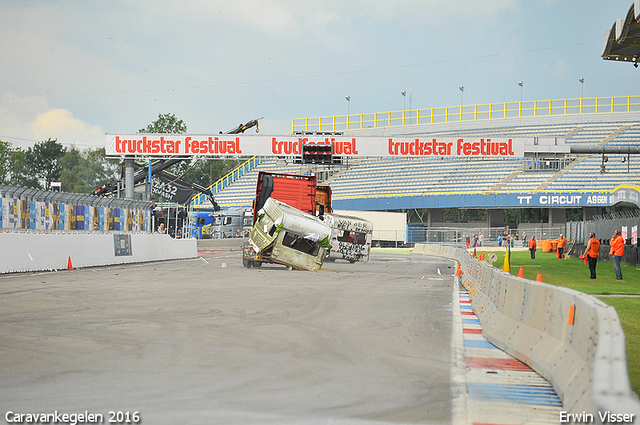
{"points": [[228, 223], [199, 224], [284, 223]]}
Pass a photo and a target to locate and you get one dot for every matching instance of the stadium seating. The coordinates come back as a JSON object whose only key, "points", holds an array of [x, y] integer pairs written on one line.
{"points": [[411, 176]]}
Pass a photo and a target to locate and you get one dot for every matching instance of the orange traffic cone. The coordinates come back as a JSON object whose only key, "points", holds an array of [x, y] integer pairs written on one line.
{"points": [[521, 272], [69, 265], [458, 271], [539, 278]]}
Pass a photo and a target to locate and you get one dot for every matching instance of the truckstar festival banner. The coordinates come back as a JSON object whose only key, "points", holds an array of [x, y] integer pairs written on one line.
{"points": [[249, 145]]}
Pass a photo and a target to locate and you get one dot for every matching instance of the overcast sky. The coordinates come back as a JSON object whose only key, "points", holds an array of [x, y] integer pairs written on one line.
{"points": [[75, 70]]}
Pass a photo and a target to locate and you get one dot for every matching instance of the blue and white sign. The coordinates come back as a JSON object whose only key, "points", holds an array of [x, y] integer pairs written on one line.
{"points": [[629, 194]]}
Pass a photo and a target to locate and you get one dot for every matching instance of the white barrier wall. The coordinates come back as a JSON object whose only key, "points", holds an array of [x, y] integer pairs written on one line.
{"points": [[21, 252], [572, 339]]}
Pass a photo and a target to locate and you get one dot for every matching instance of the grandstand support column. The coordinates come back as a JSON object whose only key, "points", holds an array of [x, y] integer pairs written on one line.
{"points": [[588, 213], [128, 177], [557, 216], [435, 215], [495, 218]]}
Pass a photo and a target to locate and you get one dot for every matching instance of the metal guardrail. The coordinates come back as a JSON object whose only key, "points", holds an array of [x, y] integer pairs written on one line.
{"points": [[528, 108]]}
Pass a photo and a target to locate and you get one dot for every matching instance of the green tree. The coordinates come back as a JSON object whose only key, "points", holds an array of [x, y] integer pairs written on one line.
{"points": [[72, 165], [43, 160], [85, 171], [22, 171], [166, 123], [6, 156]]}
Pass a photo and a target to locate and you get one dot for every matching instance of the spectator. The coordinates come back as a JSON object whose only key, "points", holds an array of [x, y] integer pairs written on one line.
{"points": [[468, 243], [591, 252], [524, 238], [561, 242], [480, 239], [161, 228], [532, 247], [617, 249], [500, 240]]}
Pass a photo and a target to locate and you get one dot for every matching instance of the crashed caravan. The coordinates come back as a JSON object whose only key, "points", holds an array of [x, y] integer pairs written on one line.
{"points": [[350, 237], [285, 235]]}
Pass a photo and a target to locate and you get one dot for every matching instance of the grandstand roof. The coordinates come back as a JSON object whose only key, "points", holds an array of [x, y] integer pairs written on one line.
{"points": [[622, 41]]}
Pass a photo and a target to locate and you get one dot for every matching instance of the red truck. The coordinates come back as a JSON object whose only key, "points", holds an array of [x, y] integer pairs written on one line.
{"points": [[304, 240]]}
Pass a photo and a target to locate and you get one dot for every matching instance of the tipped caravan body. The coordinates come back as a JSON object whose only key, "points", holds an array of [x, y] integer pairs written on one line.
{"points": [[286, 235]]}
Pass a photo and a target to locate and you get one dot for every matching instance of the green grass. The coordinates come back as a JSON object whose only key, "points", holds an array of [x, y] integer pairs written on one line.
{"points": [[573, 273]]}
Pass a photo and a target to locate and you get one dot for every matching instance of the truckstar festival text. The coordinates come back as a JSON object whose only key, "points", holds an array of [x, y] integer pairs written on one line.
{"points": [[221, 145]]}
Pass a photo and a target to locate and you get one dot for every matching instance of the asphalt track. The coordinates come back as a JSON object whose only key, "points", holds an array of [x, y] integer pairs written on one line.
{"points": [[206, 341]]}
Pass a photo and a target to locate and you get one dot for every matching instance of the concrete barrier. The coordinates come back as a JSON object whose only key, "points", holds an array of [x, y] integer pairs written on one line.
{"points": [[572, 339], [22, 252]]}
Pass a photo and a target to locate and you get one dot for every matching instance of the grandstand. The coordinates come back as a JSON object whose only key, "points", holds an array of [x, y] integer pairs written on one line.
{"points": [[366, 183]]}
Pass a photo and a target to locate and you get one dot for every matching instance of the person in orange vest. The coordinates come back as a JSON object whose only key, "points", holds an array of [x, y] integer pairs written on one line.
{"points": [[561, 242], [532, 247], [591, 252], [617, 249]]}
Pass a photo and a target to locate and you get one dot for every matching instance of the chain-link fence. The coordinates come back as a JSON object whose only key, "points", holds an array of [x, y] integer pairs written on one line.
{"points": [[484, 236], [476, 236]]}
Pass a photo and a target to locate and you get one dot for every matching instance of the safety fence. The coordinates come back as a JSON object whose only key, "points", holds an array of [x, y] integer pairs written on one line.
{"points": [[530, 108], [572, 339], [479, 235], [34, 210]]}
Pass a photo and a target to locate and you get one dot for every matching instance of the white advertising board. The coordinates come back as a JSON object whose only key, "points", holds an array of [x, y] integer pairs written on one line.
{"points": [[249, 145]]}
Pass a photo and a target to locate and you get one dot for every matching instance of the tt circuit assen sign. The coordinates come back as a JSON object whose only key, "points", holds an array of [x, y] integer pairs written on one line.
{"points": [[249, 145], [563, 200]]}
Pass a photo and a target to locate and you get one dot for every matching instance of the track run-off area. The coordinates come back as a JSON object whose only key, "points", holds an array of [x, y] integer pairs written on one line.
{"points": [[207, 341]]}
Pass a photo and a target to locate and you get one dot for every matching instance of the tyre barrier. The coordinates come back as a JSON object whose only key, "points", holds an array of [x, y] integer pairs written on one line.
{"points": [[572, 339]]}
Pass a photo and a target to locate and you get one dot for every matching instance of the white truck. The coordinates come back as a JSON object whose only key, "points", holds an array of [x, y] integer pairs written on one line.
{"points": [[350, 237], [231, 223], [389, 228]]}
